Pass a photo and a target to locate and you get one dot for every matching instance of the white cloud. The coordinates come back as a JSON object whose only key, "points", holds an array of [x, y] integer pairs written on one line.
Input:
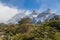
{"points": [[7, 12], [28, 12]]}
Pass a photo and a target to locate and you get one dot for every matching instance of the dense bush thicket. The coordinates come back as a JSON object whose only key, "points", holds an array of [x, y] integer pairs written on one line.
{"points": [[24, 30]]}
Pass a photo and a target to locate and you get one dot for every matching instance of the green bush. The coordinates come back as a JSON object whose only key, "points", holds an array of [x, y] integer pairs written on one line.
{"points": [[26, 31]]}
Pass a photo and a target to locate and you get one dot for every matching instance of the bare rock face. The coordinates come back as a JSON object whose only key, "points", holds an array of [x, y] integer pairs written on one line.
{"points": [[56, 17], [34, 12]]}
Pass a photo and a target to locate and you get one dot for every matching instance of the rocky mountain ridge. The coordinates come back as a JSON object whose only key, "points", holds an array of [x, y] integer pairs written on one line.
{"points": [[35, 17]]}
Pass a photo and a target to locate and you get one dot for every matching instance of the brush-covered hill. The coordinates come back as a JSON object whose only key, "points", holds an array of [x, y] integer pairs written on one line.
{"points": [[24, 30]]}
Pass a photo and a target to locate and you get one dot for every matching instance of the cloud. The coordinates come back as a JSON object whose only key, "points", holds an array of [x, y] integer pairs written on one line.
{"points": [[54, 5], [7, 12], [28, 12], [16, 3]]}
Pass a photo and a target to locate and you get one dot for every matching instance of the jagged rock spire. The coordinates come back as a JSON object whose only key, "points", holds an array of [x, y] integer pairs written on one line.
{"points": [[34, 12], [48, 11]]}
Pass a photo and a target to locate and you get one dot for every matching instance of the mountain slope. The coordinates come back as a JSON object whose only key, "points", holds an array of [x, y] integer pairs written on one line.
{"points": [[17, 18], [44, 16], [35, 17]]}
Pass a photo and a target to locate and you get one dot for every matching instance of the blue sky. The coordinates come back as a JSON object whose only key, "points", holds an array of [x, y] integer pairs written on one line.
{"points": [[33, 4], [8, 8], [22, 4]]}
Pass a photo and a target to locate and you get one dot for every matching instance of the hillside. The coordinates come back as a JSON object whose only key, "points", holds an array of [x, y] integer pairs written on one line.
{"points": [[24, 30]]}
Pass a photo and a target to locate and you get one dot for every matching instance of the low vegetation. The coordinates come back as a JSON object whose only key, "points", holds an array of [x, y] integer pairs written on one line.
{"points": [[24, 30]]}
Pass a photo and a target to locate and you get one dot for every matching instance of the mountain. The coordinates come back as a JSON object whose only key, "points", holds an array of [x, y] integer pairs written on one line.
{"points": [[35, 17], [56, 17], [17, 18], [44, 16]]}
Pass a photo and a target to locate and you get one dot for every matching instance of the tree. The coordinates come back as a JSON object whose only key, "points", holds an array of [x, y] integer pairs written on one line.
{"points": [[24, 21], [54, 24]]}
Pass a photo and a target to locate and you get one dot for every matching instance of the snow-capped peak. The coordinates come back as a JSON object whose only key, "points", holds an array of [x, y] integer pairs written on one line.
{"points": [[35, 16]]}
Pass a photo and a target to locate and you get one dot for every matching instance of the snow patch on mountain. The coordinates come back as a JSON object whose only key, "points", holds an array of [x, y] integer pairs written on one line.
{"points": [[35, 16]]}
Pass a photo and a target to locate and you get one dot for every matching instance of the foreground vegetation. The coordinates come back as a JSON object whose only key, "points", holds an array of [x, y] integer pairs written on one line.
{"points": [[24, 30]]}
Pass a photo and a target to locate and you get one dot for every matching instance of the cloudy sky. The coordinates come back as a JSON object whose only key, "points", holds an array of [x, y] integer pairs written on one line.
{"points": [[8, 8]]}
